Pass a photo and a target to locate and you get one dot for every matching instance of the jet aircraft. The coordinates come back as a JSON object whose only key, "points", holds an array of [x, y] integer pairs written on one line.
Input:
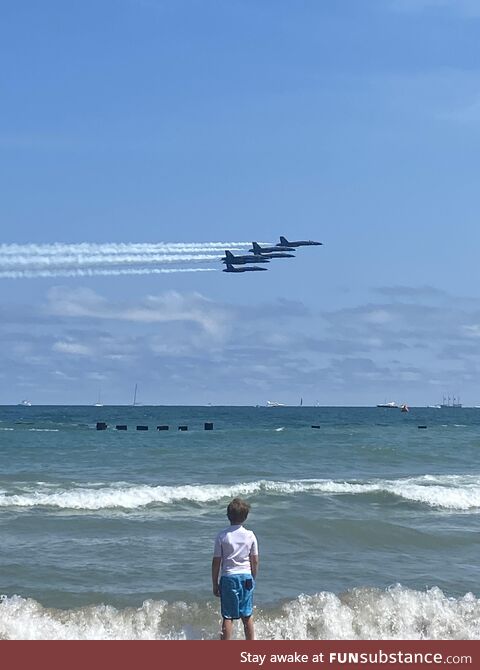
{"points": [[274, 255], [257, 249], [242, 260], [299, 243], [232, 268]]}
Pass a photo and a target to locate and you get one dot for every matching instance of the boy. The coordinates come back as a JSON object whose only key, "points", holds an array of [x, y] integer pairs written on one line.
{"points": [[236, 553]]}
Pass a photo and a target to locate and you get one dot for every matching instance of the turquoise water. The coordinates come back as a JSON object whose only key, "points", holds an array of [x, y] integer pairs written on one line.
{"points": [[368, 526]]}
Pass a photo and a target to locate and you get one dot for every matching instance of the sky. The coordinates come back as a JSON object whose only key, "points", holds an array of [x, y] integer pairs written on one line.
{"points": [[138, 136]]}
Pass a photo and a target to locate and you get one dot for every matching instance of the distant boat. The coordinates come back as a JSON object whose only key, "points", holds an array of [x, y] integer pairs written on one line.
{"points": [[388, 405], [135, 403], [404, 408], [455, 402], [274, 403], [25, 403], [99, 402], [301, 402], [434, 407]]}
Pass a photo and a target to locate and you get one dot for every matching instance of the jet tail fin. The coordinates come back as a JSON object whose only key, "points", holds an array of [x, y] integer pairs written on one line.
{"points": [[228, 253], [284, 241], [256, 247]]}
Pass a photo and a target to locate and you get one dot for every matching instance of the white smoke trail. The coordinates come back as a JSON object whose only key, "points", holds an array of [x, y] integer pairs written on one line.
{"points": [[84, 261], [95, 272], [117, 247], [27, 261]]}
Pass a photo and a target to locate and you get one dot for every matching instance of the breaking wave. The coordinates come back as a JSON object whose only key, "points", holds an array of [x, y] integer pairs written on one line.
{"points": [[453, 492], [359, 614]]}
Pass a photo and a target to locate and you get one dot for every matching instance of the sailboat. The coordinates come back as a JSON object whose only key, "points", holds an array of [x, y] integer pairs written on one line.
{"points": [[388, 405], [135, 396], [99, 402], [456, 402]]}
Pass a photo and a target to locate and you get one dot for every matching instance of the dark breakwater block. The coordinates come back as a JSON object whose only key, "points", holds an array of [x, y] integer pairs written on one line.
{"points": [[162, 427], [142, 427], [208, 426], [315, 426], [424, 427], [121, 427], [183, 428], [101, 425]]}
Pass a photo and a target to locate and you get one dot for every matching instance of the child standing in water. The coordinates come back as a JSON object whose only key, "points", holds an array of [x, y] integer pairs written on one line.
{"points": [[235, 560]]}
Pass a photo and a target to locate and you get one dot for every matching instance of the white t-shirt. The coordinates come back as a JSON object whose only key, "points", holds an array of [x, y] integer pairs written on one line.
{"points": [[234, 546]]}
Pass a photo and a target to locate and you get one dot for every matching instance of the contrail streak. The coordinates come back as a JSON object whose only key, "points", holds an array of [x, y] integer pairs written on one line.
{"points": [[81, 260], [31, 274], [120, 248], [26, 261]]}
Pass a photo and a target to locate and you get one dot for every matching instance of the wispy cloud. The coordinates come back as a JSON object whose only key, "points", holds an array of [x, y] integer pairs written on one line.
{"points": [[415, 293], [168, 307], [75, 348], [412, 343]]}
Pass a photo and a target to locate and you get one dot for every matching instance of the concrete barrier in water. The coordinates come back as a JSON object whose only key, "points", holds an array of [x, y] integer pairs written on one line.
{"points": [[208, 425]]}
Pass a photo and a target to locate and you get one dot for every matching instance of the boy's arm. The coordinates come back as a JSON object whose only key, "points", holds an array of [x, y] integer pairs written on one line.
{"points": [[254, 565], [216, 561]]}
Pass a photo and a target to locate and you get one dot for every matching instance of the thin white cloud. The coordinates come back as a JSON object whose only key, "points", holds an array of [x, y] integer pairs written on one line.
{"points": [[167, 307], [196, 346], [72, 348], [378, 316], [472, 331]]}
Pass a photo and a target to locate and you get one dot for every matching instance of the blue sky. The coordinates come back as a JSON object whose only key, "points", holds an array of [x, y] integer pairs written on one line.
{"points": [[147, 121]]}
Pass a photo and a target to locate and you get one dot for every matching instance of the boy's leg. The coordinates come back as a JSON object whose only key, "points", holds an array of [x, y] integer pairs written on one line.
{"points": [[227, 629], [248, 627]]}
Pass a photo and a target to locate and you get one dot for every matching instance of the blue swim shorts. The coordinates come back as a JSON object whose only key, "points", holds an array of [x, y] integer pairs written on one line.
{"points": [[236, 595]]}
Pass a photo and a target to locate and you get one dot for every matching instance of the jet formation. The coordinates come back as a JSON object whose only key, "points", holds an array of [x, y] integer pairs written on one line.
{"points": [[259, 254]]}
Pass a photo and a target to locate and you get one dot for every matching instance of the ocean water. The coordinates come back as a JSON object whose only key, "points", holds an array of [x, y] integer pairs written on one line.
{"points": [[368, 527]]}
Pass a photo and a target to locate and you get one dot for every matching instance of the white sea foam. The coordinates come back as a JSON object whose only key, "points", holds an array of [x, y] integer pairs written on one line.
{"points": [[367, 613], [454, 492], [362, 613]]}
